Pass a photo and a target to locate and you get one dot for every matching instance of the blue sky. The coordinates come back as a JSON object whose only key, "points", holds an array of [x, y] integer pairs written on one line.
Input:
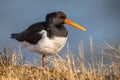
{"points": [[100, 17]]}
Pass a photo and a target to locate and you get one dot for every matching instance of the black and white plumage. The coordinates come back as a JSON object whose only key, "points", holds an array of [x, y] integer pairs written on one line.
{"points": [[47, 37]]}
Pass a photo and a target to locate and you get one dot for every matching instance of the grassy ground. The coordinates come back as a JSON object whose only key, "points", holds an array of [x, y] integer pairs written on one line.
{"points": [[69, 67]]}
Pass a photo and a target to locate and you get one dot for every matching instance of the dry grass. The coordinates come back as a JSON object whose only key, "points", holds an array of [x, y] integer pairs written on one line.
{"points": [[69, 67]]}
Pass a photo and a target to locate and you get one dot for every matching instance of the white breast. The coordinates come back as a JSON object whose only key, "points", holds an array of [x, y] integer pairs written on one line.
{"points": [[46, 45]]}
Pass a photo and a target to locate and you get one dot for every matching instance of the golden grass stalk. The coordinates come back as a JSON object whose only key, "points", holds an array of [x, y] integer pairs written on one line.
{"points": [[69, 67]]}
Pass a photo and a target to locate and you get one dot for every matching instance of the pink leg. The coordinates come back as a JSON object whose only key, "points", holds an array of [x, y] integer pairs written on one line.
{"points": [[43, 61]]}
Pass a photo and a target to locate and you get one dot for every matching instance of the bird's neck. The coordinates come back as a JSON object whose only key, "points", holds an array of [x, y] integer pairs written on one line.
{"points": [[57, 30]]}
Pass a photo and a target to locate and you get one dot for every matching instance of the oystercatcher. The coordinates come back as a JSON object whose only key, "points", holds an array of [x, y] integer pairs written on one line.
{"points": [[47, 37]]}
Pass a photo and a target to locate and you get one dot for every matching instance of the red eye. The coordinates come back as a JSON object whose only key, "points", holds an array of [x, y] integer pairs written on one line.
{"points": [[59, 16]]}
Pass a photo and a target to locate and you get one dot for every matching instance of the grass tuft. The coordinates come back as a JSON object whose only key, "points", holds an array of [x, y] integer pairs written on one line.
{"points": [[69, 67]]}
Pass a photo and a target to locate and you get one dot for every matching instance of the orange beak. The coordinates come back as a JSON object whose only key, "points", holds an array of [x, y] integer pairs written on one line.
{"points": [[67, 21]]}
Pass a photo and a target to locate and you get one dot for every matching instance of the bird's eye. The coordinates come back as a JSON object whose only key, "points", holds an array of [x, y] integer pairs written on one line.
{"points": [[59, 16]]}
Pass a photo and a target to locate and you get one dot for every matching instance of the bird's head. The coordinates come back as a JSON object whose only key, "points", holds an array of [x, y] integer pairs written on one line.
{"points": [[59, 18]]}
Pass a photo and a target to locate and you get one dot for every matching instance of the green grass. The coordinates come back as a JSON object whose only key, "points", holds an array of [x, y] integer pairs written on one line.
{"points": [[69, 67]]}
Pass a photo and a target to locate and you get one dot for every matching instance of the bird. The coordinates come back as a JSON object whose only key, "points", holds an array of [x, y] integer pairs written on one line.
{"points": [[47, 37]]}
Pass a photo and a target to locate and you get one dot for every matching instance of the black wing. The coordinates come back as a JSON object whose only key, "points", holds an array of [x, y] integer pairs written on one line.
{"points": [[31, 34]]}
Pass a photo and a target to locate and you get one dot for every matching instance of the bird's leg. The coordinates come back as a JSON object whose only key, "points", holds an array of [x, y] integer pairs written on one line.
{"points": [[43, 61]]}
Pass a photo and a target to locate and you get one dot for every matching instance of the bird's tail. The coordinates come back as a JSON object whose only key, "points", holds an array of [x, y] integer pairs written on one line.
{"points": [[17, 36], [14, 36]]}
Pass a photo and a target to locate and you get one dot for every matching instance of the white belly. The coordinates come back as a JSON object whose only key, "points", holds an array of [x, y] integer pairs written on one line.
{"points": [[46, 45]]}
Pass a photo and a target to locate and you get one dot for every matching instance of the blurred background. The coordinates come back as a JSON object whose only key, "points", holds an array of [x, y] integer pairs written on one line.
{"points": [[100, 17]]}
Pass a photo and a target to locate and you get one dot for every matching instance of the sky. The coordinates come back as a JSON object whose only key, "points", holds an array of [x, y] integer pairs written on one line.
{"points": [[101, 18]]}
